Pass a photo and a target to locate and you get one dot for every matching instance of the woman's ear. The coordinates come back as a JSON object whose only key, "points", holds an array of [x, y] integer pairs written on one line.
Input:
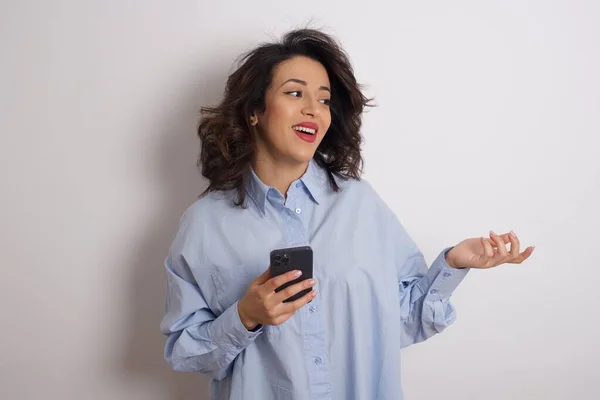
{"points": [[253, 120]]}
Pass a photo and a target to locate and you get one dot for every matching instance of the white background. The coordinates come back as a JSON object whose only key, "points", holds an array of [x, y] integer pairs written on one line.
{"points": [[488, 118]]}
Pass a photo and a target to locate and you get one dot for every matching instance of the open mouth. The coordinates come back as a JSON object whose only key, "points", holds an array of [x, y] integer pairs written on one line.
{"points": [[305, 133], [304, 129]]}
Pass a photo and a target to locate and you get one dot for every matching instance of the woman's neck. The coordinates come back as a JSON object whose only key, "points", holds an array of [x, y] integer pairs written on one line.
{"points": [[279, 175]]}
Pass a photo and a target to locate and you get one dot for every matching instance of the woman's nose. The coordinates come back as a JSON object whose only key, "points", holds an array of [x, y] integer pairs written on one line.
{"points": [[310, 109]]}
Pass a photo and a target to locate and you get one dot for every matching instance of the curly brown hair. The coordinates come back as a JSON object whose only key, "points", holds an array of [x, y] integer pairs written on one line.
{"points": [[227, 142]]}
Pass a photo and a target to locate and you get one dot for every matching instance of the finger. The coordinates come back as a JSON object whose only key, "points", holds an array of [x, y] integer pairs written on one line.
{"points": [[514, 245], [262, 278], [293, 289], [295, 305], [500, 244], [281, 318], [488, 250], [505, 238], [279, 280], [524, 255]]}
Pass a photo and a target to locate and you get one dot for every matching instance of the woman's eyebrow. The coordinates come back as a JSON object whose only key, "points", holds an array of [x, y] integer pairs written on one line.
{"points": [[300, 81]]}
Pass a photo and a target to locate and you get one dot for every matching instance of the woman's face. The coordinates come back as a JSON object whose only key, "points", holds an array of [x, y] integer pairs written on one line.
{"points": [[297, 113]]}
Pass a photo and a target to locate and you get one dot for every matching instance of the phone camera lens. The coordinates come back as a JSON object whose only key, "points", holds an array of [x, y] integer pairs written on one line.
{"points": [[286, 258], [277, 258]]}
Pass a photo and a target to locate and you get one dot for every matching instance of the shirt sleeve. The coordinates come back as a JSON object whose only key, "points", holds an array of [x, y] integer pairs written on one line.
{"points": [[424, 293], [425, 296], [198, 339]]}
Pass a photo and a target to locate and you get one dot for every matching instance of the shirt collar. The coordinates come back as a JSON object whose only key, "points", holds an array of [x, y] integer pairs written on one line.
{"points": [[314, 179]]}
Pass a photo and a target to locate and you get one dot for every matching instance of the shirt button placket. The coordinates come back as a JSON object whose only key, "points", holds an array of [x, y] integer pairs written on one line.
{"points": [[313, 327]]}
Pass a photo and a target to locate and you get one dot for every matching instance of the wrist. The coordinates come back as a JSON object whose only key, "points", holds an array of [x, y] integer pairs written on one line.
{"points": [[450, 260], [246, 321]]}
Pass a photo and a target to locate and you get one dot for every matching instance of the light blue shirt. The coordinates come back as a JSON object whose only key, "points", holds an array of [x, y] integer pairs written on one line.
{"points": [[375, 293]]}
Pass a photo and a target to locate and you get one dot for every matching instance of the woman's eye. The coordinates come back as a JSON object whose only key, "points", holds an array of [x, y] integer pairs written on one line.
{"points": [[298, 93]]}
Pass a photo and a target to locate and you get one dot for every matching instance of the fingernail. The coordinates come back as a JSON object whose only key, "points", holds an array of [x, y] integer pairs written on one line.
{"points": [[297, 273], [311, 282], [493, 233], [513, 234]]}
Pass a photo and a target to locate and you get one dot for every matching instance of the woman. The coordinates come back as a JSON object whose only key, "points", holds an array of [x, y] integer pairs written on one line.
{"points": [[283, 158]]}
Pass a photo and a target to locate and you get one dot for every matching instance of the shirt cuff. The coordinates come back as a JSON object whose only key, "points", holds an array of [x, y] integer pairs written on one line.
{"points": [[444, 279], [229, 331]]}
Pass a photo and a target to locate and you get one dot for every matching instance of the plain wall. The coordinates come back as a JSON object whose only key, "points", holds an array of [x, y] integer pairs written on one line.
{"points": [[488, 116]]}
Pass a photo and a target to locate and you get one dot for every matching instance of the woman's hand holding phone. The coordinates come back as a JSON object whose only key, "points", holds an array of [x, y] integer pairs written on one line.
{"points": [[261, 305]]}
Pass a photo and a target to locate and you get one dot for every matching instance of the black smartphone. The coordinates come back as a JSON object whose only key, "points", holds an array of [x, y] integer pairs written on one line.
{"points": [[291, 258]]}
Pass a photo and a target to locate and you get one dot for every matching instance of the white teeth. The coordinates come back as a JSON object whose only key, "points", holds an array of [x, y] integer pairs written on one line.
{"points": [[304, 129]]}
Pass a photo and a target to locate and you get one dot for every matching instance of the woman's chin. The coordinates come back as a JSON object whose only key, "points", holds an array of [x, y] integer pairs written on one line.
{"points": [[303, 157]]}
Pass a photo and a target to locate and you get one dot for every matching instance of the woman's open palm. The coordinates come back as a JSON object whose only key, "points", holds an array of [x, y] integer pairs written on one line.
{"points": [[489, 252]]}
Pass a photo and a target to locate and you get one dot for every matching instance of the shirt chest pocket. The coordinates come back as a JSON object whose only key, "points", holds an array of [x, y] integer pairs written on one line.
{"points": [[232, 282]]}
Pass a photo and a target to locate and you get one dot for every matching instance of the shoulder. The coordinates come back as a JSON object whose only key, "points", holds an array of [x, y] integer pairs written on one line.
{"points": [[361, 197], [213, 203], [364, 197], [196, 220], [372, 206], [361, 190]]}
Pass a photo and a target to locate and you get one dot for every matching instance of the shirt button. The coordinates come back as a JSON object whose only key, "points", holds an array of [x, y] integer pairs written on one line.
{"points": [[433, 291], [318, 360], [446, 274], [298, 210], [312, 308], [298, 184]]}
